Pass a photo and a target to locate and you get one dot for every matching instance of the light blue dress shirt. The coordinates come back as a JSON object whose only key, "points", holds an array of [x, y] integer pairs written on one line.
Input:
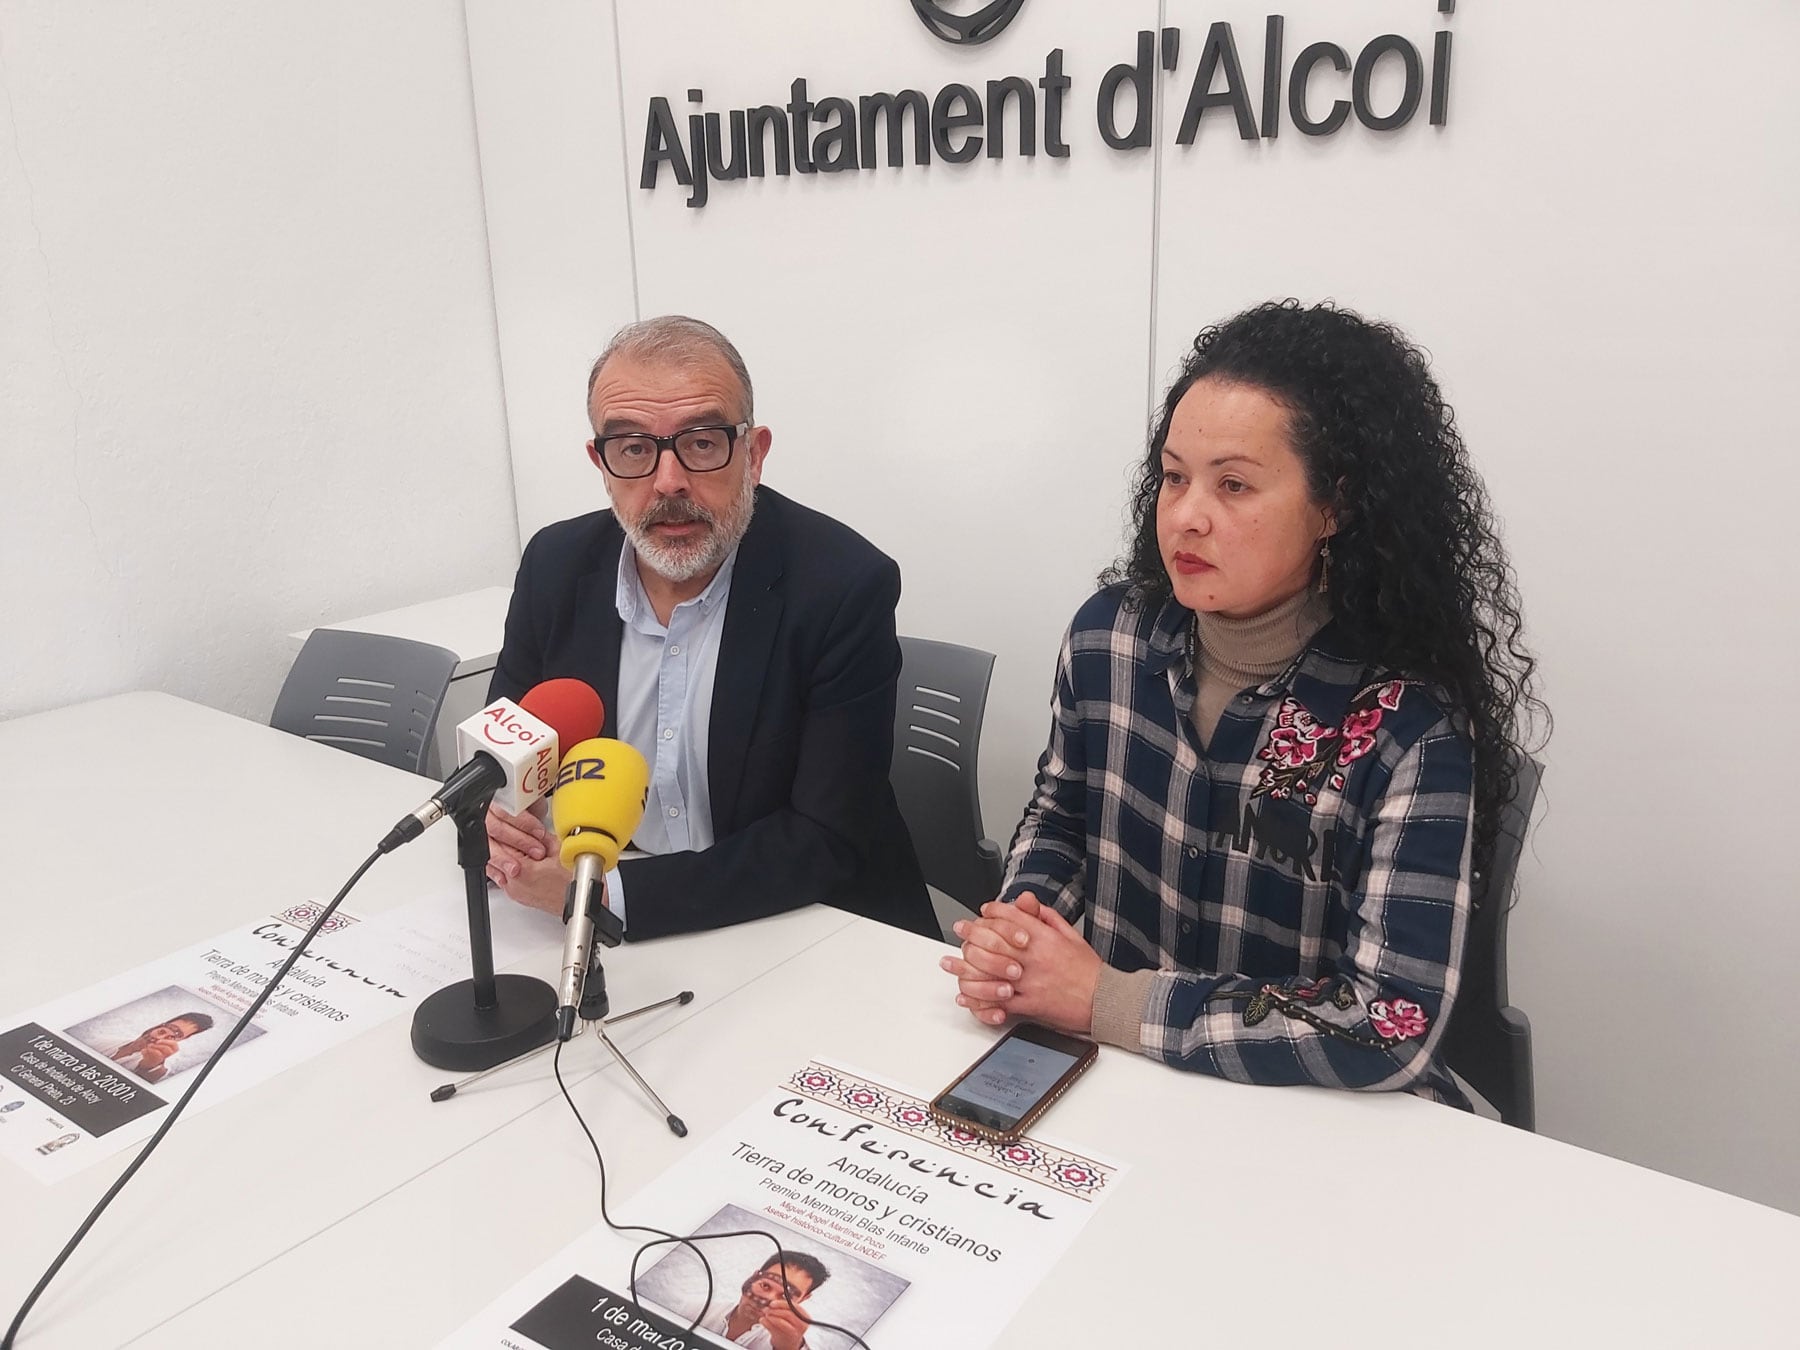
{"points": [[666, 677]]}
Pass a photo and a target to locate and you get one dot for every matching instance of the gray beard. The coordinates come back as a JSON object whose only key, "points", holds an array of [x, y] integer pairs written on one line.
{"points": [[684, 562]]}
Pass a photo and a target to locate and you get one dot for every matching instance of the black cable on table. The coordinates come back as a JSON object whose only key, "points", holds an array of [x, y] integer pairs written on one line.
{"points": [[663, 1239]]}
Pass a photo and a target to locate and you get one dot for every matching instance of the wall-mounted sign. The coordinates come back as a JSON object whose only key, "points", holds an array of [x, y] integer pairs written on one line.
{"points": [[967, 29], [1318, 89]]}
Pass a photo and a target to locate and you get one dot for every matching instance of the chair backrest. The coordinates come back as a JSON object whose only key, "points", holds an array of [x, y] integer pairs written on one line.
{"points": [[937, 737], [368, 693], [1489, 1041]]}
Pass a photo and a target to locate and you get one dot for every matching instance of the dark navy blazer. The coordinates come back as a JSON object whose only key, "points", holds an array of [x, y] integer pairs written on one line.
{"points": [[802, 727]]}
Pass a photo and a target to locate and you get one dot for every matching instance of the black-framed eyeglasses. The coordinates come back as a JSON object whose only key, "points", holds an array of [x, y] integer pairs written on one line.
{"points": [[633, 454]]}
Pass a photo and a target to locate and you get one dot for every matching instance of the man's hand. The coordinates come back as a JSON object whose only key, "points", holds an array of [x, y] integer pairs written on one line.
{"points": [[786, 1325], [524, 861], [152, 1064], [1024, 960]]}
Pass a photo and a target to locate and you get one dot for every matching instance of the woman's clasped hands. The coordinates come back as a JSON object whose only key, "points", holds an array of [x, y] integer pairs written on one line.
{"points": [[1024, 960]]}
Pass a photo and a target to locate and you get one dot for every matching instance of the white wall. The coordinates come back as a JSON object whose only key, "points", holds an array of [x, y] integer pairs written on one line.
{"points": [[1598, 250], [553, 167], [247, 352]]}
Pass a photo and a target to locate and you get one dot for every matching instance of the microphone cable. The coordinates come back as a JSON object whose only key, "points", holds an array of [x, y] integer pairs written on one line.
{"points": [[663, 1239], [181, 1102]]}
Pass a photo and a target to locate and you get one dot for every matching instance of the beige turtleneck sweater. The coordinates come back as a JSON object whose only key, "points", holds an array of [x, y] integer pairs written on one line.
{"points": [[1233, 655]]}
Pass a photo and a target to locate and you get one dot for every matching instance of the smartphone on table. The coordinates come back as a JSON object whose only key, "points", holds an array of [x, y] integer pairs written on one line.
{"points": [[1001, 1094]]}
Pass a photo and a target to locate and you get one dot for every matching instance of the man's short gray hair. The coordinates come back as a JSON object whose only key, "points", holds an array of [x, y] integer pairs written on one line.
{"points": [[675, 339]]}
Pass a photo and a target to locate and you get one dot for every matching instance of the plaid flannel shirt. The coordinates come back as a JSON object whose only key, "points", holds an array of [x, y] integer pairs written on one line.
{"points": [[1287, 905]]}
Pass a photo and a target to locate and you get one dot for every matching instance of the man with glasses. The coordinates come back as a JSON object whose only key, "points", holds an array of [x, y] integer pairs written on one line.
{"points": [[768, 1315], [743, 643]]}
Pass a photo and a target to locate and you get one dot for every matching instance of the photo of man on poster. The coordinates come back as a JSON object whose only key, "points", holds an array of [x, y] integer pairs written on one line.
{"points": [[749, 1305], [148, 1053], [768, 1314], [160, 1035]]}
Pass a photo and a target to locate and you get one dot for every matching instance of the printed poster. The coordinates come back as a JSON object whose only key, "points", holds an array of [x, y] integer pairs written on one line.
{"points": [[89, 1075], [902, 1231]]}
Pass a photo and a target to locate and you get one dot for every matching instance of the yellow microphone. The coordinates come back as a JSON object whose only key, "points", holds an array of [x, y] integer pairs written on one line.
{"points": [[600, 793]]}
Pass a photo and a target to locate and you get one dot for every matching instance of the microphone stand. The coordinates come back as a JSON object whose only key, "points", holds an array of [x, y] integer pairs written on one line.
{"points": [[592, 1009], [444, 1091], [487, 1020]]}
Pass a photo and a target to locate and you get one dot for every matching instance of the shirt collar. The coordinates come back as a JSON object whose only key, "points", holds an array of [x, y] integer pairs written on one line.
{"points": [[1168, 638], [1322, 678], [631, 601]]}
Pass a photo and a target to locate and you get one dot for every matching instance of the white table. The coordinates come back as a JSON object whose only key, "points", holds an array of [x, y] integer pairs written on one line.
{"points": [[138, 825], [471, 625], [1249, 1214]]}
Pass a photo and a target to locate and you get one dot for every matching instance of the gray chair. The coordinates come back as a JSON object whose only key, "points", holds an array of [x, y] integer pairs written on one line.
{"points": [[937, 737], [371, 694], [1488, 1044]]}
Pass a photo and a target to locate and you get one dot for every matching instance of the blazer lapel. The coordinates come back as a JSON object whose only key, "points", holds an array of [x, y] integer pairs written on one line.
{"points": [[594, 645], [752, 617]]}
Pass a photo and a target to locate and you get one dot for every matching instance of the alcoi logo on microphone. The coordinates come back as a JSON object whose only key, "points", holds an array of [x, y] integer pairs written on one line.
{"points": [[507, 724], [506, 754], [524, 746]]}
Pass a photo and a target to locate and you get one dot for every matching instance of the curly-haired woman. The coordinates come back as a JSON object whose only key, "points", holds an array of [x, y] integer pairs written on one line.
{"points": [[1282, 731]]}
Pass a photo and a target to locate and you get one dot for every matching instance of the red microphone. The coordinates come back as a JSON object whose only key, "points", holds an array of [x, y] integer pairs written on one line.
{"points": [[508, 754], [569, 708]]}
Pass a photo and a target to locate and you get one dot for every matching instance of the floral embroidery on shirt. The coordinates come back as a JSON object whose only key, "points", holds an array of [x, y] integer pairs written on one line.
{"points": [[1394, 1020], [1300, 747], [1397, 1019], [1303, 993]]}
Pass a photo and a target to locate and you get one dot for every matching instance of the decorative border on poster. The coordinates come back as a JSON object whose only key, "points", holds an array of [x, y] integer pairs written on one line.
{"points": [[306, 913], [1061, 1169]]}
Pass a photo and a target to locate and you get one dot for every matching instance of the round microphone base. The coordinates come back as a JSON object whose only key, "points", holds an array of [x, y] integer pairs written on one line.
{"points": [[450, 1032]]}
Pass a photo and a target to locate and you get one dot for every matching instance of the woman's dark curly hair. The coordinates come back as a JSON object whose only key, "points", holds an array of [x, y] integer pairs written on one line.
{"points": [[1419, 582]]}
